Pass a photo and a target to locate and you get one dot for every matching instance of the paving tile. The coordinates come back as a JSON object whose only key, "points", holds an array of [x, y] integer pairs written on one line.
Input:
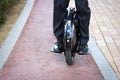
{"points": [[114, 66], [117, 42], [112, 31], [94, 26], [114, 51], [93, 21], [117, 25], [101, 23], [101, 43], [111, 44], [105, 17], [113, 21], [98, 37], [96, 31], [117, 61], [106, 33], [108, 39], [107, 53], [103, 28], [115, 36], [109, 24]]}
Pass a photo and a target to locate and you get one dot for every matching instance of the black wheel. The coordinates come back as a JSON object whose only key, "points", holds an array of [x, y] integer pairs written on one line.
{"points": [[69, 57]]}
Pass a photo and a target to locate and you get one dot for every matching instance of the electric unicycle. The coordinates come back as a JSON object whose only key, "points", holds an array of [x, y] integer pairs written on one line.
{"points": [[70, 36]]}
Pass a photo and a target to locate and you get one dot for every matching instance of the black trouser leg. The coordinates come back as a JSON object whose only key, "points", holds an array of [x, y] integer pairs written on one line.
{"points": [[58, 15], [83, 13]]}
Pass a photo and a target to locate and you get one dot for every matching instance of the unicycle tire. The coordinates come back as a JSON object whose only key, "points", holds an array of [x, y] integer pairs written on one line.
{"points": [[69, 57]]}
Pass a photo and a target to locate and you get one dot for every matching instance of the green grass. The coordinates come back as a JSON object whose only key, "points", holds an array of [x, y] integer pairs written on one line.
{"points": [[5, 5]]}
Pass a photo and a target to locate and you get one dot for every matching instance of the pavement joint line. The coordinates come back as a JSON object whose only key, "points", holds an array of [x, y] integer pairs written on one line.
{"points": [[9, 43], [103, 65]]}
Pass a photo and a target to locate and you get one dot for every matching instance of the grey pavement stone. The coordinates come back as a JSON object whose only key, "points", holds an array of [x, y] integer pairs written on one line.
{"points": [[109, 75]]}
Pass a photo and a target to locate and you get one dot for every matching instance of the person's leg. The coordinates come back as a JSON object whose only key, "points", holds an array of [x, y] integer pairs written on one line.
{"points": [[60, 11], [58, 16], [83, 13]]}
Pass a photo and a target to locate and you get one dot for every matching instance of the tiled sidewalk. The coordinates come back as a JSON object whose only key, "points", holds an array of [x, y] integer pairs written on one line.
{"points": [[105, 29]]}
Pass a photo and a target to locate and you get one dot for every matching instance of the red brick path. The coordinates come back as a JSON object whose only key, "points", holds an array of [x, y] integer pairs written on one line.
{"points": [[31, 58]]}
